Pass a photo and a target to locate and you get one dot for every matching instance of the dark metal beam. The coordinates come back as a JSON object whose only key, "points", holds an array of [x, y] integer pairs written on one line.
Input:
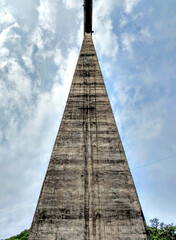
{"points": [[87, 16]]}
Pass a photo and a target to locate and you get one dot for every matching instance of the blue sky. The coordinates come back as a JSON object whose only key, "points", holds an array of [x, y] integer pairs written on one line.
{"points": [[39, 46]]}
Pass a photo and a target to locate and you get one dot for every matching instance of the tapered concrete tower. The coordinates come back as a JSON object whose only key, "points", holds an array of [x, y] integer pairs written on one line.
{"points": [[88, 192]]}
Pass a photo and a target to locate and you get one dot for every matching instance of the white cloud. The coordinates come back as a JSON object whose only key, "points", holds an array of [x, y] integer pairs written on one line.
{"points": [[147, 76], [72, 3], [6, 34], [127, 41], [127, 5], [145, 32], [66, 68], [58, 58], [37, 38], [6, 16], [17, 77], [138, 15], [150, 128], [130, 4], [47, 54], [4, 52], [47, 14], [1, 135], [106, 40], [27, 58], [123, 21]]}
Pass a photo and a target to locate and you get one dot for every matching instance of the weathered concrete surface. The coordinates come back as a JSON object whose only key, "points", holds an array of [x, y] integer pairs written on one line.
{"points": [[88, 192]]}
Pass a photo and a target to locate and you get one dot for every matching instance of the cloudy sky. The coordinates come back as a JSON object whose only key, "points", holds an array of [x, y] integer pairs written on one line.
{"points": [[39, 46]]}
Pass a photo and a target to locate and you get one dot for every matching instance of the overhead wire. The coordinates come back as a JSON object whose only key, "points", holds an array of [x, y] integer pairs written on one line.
{"points": [[150, 163], [22, 205], [25, 204]]}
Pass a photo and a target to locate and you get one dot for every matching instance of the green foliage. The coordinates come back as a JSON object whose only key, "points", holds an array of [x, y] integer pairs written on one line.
{"points": [[157, 231], [161, 231], [22, 236]]}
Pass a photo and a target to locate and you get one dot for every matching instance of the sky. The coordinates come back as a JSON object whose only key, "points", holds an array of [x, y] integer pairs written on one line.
{"points": [[40, 42]]}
